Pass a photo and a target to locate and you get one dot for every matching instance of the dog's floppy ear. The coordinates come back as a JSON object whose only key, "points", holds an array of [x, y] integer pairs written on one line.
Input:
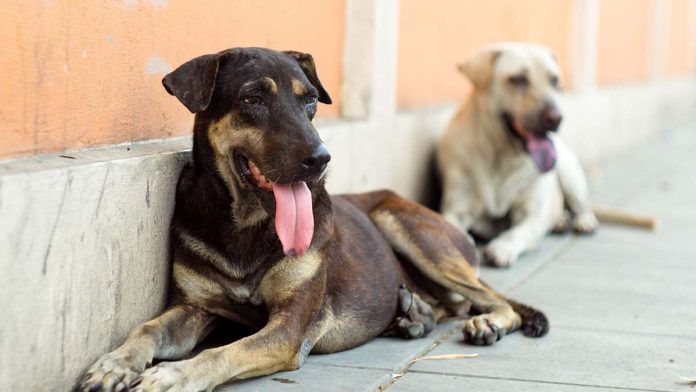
{"points": [[193, 82], [479, 67], [306, 62]]}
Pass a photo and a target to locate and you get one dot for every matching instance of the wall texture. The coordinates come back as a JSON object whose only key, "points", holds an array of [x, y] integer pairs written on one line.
{"points": [[624, 40], [435, 35], [79, 73], [681, 55]]}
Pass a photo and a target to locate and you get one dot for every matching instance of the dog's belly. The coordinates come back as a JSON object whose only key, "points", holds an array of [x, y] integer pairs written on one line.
{"points": [[362, 283]]}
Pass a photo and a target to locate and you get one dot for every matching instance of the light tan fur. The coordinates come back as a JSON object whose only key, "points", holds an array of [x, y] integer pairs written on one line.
{"points": [[272, 86], [298, 87], [205, 252], [486, 175], [284, 278], [224, 137]]}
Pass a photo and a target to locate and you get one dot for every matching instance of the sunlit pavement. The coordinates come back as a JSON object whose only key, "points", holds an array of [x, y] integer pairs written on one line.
{"points": [[622, 303]]}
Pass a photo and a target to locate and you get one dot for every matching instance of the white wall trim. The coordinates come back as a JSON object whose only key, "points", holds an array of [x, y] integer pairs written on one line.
{"points": [[584, 36]]}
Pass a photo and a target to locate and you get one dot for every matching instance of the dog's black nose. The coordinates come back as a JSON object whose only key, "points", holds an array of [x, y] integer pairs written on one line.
{"points": [[317, 161], [551, 119]]}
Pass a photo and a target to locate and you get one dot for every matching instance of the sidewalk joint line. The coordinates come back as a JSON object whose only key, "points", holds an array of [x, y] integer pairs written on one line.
{"points": [[535, 381], [624, 332], [546, 263]]}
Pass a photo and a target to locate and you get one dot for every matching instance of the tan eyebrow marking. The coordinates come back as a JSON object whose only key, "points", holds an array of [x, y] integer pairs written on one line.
{"points": [[272, 86], [298, 87]]}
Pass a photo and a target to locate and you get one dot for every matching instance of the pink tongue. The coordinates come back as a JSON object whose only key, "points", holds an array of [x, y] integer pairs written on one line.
{"points": [[543, 153], [294, 220]]}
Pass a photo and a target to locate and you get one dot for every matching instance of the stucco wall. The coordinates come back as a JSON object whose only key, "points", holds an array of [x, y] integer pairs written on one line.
{"points": [[79, 73], [436, 35]]}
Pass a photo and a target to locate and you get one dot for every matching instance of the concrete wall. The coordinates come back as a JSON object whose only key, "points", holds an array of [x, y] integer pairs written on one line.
{"points": [[84, 232], [84, 257]]}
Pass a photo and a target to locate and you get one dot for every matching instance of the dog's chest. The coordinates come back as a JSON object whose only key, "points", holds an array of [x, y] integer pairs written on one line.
{"points": [[510, 180], [216, 290]]}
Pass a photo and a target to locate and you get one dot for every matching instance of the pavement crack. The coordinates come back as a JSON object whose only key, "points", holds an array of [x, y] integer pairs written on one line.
{"points": [[406, 368]]}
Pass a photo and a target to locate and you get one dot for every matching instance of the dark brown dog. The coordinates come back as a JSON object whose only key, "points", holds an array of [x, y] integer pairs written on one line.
{"points": [[258, 240]]}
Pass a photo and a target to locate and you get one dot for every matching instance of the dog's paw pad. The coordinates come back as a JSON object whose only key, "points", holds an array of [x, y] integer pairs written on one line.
{"points": [[417, 319], [585, 223], [112, 372], [482, 330], [499, 255]]}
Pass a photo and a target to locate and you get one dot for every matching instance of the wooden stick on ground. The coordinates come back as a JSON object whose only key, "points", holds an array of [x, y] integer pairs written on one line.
{"points": [[626, 218], [446, 356]]}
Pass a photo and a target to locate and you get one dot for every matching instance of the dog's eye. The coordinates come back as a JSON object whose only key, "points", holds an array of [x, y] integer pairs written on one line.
{"points": [[554, 81], [311, 100], [252, 100], [519, 80]]}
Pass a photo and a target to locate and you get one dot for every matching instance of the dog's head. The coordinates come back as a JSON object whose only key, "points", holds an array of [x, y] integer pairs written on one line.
{"points": [[254, 109], [520, 85]]}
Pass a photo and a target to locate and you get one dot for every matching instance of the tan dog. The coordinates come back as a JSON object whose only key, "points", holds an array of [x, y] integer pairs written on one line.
{"points": [[501, 160], [257, 240]]}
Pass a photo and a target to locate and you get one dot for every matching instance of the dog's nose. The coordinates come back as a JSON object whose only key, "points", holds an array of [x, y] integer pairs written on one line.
{"points": [[317, 161], [551, 119]]}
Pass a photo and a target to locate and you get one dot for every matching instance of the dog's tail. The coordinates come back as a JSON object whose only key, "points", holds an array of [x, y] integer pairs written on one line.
{"points": [[534, 322]]}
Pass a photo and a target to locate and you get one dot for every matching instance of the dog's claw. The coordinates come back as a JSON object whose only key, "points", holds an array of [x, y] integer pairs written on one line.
{"points": [[418, 318], [136, 382], [96, 387]]}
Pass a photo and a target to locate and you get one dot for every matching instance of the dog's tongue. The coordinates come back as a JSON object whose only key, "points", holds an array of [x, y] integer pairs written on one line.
{"points": [[543, 152], [294, 220]]}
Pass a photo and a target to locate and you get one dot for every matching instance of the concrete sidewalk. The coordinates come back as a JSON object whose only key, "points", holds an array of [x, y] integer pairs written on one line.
{"points": [[622, 304]]}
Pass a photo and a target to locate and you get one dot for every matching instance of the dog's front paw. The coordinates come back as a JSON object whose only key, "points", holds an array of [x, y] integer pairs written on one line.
{"points": [[585, 223], [167, 376], [483, 330], [112, 372], [500, 254]]}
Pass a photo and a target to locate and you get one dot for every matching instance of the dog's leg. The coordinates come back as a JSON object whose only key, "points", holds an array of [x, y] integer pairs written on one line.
{"points": [[171, 335], [574, 186], [459, 206], [434, 247], [293, 291], [532, 217]]}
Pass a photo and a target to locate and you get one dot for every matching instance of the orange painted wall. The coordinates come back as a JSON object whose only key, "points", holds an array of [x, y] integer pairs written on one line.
{"points": [[437, 34], [78, 73], [623, 47], [681, 56]]}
